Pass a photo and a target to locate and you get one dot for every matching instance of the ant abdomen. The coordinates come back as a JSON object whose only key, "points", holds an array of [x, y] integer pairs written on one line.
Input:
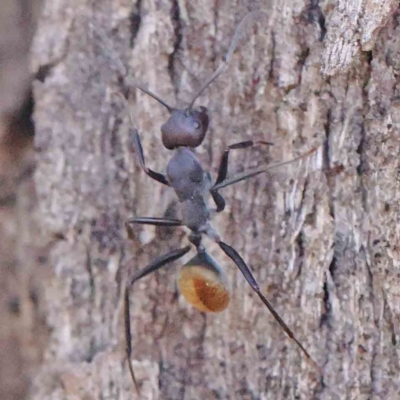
{"points": [[203, 285]]}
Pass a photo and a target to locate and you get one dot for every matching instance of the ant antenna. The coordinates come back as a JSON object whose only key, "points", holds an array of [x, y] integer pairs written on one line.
{"points": [[169, 108], [225, 62], [226, 59], [124, 73]]}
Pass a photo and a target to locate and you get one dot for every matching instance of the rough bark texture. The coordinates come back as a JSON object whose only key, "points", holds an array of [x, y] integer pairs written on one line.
{"points": [[321, 236], [19, 246]]}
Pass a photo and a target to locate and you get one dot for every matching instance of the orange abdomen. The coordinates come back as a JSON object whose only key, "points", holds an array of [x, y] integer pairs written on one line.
{"points": [[203, 288]]}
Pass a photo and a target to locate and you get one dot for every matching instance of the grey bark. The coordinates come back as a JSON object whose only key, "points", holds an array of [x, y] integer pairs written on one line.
{"points": [[19, 248], [321, 236]]}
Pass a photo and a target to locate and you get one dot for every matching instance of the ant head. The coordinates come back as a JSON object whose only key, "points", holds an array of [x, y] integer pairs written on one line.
{"points": [[186, 127], [203, 285]]}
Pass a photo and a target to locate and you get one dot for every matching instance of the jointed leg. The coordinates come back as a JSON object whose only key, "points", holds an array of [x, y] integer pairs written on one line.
{"points": [[218, 200], [137, 145], [152, 267], [128, 338], [249, 174], [237, 259], [150, 221], [155, 221], [223, 170], [139, 151], [223, 164], [158, 263]]}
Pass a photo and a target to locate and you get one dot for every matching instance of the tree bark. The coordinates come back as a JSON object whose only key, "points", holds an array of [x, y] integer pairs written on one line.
{"points": [[320, 235], [20, 249]]}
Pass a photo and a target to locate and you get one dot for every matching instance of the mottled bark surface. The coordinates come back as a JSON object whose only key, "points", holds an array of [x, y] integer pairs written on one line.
{"points": [[20, 247], [321, 235]]}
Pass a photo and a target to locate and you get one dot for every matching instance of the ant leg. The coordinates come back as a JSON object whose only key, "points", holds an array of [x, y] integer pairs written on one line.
{"points": [[150, 221], [155, 221], [223, 164], [137, 145], [158, 263], [218, 200], [152, 267], [247, 175], [223, 170], [237, 259]]}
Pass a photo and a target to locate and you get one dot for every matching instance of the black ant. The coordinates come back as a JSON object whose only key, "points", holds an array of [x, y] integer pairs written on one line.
{"points": [[201, 280]]}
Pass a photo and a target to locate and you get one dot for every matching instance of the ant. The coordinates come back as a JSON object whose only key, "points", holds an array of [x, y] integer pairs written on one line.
{"points": [[201, 281]]}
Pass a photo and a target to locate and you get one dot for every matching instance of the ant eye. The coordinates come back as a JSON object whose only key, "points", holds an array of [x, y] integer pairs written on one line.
{"points": [[196, 125]]}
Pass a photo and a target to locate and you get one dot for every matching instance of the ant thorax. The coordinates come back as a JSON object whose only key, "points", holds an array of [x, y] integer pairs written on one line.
{"points": [[191, 185]]}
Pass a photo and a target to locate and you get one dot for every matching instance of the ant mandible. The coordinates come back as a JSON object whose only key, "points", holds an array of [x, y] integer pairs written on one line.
{"points": [[201, 281]]}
